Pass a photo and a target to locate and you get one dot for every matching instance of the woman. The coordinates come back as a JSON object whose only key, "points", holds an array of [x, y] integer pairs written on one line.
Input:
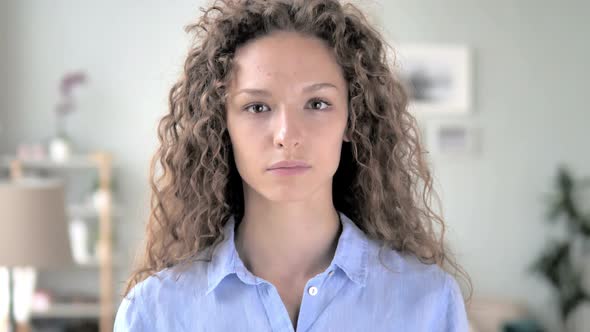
{"points": [[293, 193]]}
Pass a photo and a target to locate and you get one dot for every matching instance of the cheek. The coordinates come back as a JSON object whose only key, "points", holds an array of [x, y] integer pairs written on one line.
{"points": [[328, 144], [245, 146]]}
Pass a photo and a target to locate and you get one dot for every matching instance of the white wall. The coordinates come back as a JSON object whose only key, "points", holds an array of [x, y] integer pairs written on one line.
{"points": [[531, 72], [132, 52], [531, 69]]}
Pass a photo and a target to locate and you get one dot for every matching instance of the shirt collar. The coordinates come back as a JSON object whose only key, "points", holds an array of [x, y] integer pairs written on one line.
{"points": [[350, 256]]}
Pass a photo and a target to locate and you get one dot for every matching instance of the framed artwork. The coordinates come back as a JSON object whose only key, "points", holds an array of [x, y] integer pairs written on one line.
{"points": [[453, 138], [437, 77]]}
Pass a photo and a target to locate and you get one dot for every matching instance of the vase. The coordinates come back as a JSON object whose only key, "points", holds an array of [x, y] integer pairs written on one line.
{"points": [[25, 281], [60, 149], [100, 198], [78, 230]]}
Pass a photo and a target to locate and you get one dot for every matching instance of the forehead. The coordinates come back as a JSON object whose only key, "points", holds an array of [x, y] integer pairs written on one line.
{"points": [[285, 57]]}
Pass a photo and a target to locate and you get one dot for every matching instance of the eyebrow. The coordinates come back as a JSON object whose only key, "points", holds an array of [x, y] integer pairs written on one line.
{"points": [[310, 88]]}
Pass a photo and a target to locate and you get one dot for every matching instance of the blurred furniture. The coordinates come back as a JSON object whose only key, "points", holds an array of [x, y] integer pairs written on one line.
{"points": [[491, 315], [33, 234], [101, 162], [523, 325]]}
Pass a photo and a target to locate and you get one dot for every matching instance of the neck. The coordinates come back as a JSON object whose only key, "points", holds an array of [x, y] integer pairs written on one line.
{"points": [[287, 241]]}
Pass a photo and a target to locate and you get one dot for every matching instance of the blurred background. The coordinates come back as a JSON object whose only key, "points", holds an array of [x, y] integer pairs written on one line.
{"points": [[501, 100]]}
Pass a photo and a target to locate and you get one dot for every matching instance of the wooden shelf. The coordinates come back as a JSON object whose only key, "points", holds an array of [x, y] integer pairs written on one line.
{"points": [[95, 263], [69, 310], [103, 310], [89, 211], [73, 162]]}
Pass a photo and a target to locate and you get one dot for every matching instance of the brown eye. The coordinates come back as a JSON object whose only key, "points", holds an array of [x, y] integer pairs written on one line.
{"points": [[317, 104], [256, 108]]}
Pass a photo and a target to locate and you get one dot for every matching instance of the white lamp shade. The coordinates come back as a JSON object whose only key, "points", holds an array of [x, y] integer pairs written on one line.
{"points": [[33, 224]]}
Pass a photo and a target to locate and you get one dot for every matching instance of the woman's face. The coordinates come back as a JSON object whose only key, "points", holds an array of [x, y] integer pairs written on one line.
{"points": [[287, 101]]}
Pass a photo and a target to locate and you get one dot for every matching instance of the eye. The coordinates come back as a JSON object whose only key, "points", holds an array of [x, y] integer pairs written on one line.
{"points": [[255, 108], [316, 103]]}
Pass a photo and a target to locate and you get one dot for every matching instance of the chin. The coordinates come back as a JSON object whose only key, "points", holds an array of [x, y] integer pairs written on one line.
{"points": [[281, 194]]}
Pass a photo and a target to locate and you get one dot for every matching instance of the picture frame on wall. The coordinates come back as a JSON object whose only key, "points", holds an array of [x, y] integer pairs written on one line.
{"points": [[453, 138], [437, 77]]}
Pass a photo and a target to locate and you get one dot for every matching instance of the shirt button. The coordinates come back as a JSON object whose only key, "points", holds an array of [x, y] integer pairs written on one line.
{"points": [[312, 290], [331, 273]]}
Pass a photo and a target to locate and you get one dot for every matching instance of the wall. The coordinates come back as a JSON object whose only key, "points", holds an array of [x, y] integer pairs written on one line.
{"points": [[530, 65]]}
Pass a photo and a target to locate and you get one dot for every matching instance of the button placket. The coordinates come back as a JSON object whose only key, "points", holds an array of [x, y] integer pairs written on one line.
{"points": [[312, 306], [276, 312]]}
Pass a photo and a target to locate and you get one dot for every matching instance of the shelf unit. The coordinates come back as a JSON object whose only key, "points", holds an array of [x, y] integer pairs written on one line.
{"points": [[62, 310], [102, 162]]}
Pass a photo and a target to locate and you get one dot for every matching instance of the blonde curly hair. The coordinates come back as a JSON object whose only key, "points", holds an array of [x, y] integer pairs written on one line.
{"points": [[383, 182]]}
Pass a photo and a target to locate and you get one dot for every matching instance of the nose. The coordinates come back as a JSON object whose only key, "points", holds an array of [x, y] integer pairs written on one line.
{"points": [[287, 129]]}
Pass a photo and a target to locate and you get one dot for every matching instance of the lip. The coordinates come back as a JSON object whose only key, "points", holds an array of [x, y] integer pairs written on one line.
{"points": [[289, 164], [289, 170]]}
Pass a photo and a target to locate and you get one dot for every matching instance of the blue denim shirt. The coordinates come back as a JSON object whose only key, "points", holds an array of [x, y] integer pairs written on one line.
{"points": [[359, 291]]}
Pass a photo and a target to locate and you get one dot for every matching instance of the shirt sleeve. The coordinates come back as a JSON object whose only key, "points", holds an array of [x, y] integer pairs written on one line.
{"points": [[129, 317], [456, 316]]}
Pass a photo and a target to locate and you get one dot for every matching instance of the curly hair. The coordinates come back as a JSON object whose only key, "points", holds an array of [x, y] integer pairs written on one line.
{"points": [[383, 181]]}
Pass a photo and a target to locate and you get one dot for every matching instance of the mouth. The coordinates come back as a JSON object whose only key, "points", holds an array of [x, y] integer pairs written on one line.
{"points": [[289, 164], [289, 170], [289, 167]]}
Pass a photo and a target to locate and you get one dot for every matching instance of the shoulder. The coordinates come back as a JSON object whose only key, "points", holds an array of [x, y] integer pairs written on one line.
{"points": [[158, 294], [426, 287], [395, 266]]}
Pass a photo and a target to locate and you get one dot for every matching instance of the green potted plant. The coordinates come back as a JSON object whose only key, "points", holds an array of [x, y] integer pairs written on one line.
{"points": [[565, 264]]}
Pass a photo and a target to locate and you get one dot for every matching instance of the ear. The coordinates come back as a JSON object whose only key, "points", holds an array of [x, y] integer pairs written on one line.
{"points": [[345, 138]]}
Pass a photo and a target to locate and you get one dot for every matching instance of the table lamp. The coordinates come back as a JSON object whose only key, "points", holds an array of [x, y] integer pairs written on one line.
{"points": [[33, 235]]}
